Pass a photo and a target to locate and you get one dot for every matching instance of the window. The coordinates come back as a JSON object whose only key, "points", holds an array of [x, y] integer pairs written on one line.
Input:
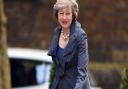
{"points": [[28, 72]]}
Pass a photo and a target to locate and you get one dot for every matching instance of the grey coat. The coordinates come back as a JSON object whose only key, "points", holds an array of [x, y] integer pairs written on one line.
{"points": [[71, 71]]}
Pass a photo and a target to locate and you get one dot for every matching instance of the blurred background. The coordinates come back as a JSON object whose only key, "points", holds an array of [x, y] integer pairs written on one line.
{"points": [[30, 24]]}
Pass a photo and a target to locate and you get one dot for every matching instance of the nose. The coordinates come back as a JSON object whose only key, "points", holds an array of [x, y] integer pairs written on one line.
{"points": [[64, 16]]}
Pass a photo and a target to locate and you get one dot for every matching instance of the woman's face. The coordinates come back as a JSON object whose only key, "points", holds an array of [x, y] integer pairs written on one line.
{"points": [[65, 17]]}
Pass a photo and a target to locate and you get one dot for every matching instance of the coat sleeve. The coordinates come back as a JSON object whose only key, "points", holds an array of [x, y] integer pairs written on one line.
{"points": [[82, 77]]}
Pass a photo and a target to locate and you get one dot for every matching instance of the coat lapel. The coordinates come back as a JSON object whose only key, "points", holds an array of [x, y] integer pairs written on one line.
{"points": [[52, 50], [70, 45], [68, 49]]}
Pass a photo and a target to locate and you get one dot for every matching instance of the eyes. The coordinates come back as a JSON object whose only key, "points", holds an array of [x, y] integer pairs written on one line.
{"points": [[64, 13]]}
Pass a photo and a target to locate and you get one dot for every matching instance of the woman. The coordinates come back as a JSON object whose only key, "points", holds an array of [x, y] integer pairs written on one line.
{"points": [[69, 48]]}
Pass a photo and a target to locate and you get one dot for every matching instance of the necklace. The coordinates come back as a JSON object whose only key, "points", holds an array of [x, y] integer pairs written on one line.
{"points": [[66, 36]]}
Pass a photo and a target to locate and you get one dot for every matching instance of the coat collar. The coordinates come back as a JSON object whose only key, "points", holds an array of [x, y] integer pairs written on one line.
{"points": [[52, 51], [53, 48], [72, 38]]}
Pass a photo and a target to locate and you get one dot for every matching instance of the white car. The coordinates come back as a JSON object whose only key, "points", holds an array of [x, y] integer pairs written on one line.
{"points": [[30, 69]]}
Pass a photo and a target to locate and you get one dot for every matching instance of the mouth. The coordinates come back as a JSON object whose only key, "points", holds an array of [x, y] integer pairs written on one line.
{"points": [[64, 22]]}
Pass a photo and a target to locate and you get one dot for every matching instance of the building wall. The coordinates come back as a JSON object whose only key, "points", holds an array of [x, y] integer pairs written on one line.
{"points": [[31, 23]]}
